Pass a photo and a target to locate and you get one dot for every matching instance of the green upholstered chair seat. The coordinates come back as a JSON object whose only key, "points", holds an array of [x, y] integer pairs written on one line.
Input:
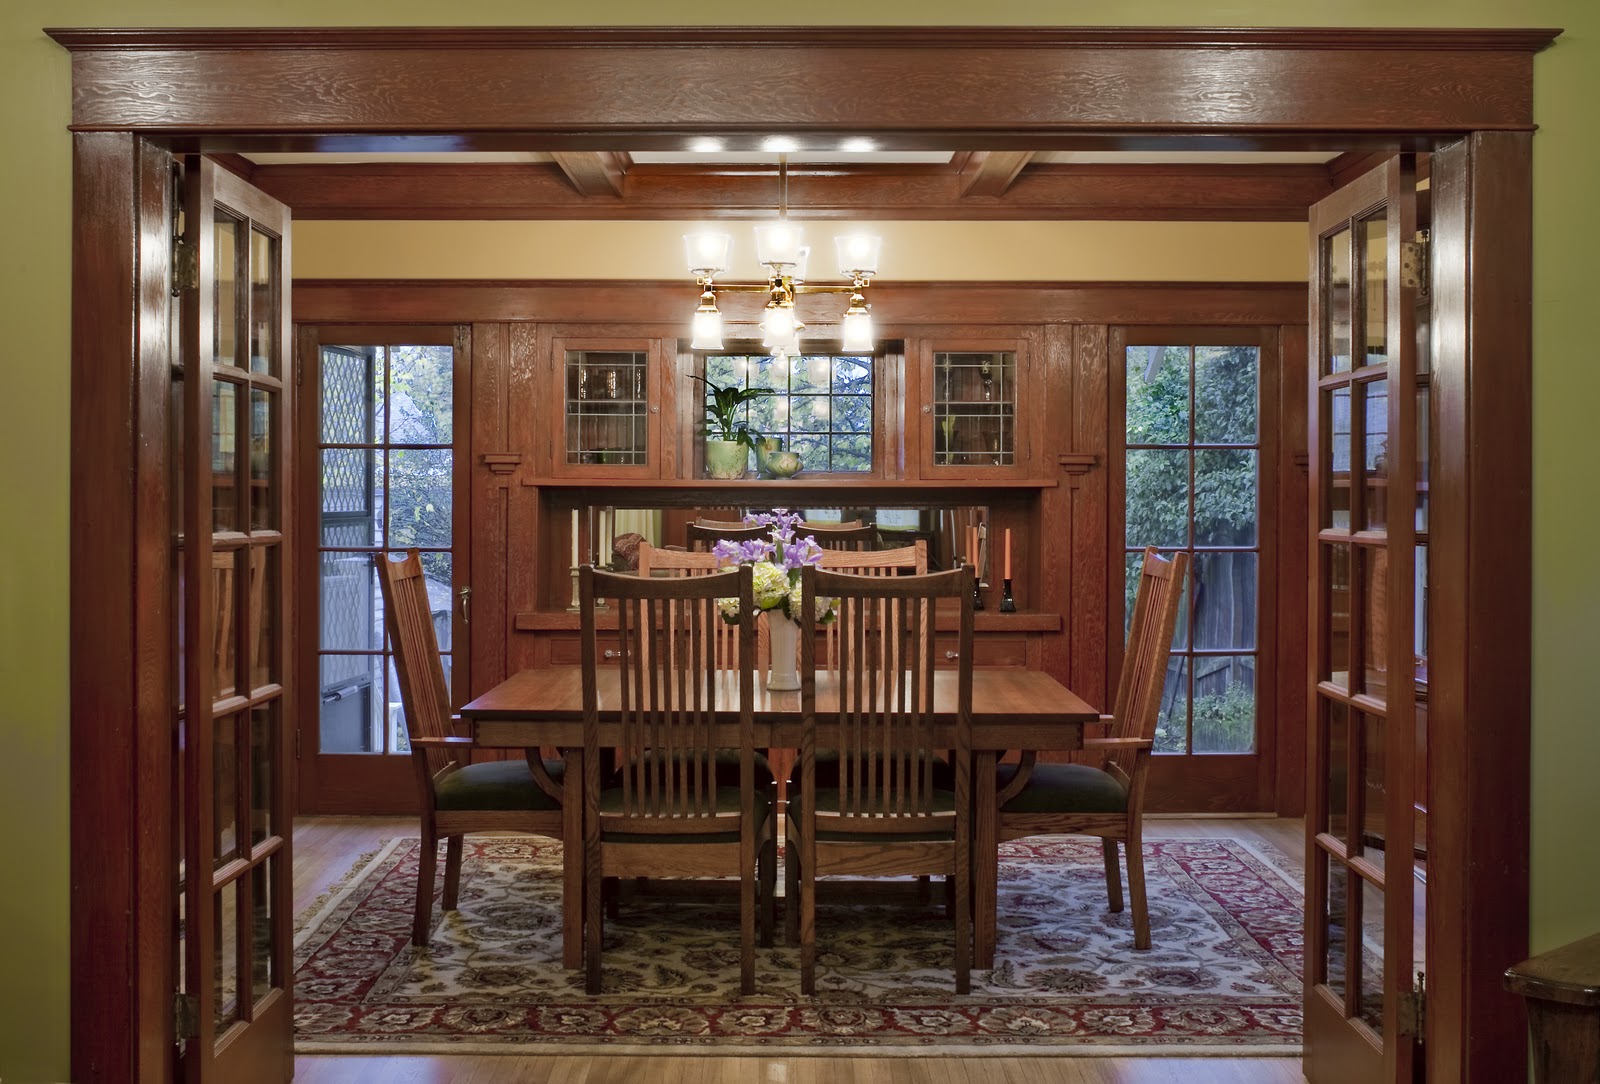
{"points": [[828, 763], [1065, 788], [496, 784], [727, 802], [944, 801]]}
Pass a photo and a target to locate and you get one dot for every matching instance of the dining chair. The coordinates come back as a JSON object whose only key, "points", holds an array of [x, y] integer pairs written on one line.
{"points": [[700, 538], [834, 536], [665, 813], [521, 795], [1108, 801], [887, 814]]}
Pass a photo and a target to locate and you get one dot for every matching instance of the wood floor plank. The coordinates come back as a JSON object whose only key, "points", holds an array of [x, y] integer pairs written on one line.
{"points": [[327, 847]]}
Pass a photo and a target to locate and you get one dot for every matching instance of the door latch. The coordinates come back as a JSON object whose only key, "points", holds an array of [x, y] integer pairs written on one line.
{"points": [[466, 601]]}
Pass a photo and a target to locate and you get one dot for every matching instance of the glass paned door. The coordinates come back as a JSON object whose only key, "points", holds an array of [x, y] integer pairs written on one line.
{"points": [[235, 667], [1362, 908], [384, 454]]}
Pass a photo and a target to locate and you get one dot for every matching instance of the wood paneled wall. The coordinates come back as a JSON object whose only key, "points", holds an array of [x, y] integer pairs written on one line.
{"points": [[514, 330]]}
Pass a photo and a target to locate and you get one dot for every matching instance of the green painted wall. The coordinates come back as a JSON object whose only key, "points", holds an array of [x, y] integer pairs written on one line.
{"points": [[35, 183]]}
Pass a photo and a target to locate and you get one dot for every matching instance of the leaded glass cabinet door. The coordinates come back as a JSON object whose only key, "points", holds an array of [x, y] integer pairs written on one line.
{"points": [[1363, 909], [234, 748]]}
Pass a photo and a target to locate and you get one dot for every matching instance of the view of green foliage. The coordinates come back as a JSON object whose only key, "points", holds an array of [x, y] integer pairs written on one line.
{"points": [[1174, 411], [821, 406]]}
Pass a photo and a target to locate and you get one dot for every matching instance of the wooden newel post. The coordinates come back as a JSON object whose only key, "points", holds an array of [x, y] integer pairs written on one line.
{"points": [[1562, 988]]}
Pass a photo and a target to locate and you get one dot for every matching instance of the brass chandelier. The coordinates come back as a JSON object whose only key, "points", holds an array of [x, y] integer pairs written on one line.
{"points": [[781, 247]]}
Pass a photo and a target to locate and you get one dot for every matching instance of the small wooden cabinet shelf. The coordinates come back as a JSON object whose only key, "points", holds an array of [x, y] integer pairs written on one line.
{"points": [[977, 406]]}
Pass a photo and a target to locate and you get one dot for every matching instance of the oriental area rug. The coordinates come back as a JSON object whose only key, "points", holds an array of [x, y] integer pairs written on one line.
{"points": [[1223, 975]]}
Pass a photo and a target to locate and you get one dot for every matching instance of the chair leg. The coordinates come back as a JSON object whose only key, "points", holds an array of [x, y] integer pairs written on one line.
{"points": [[963, 920], [767, 870], [427, 857], [747, 919], [452, 872], [594, 888], [1113, 875], [791, 889], [808, 928], [1141, 908]]}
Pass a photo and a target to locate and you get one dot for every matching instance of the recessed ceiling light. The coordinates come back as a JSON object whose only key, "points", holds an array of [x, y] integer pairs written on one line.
{"points": [[780, 144], [859, 145], [705, 145]]}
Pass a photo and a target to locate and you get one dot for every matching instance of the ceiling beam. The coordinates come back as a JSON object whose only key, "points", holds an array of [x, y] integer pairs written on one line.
{"points": [[594, 173], [990, 173], [1268, 192]]}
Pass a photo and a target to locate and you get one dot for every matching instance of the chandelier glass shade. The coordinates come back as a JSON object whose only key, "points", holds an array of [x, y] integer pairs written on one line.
{"points": [[781, 248]]}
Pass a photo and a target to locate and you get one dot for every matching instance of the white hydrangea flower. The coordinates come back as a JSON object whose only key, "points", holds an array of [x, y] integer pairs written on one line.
{"points": [[771, 584], [730, 610]]}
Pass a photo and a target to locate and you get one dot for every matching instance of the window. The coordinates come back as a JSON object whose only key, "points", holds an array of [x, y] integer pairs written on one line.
{"points": [[822, 406], [1193, 483]]}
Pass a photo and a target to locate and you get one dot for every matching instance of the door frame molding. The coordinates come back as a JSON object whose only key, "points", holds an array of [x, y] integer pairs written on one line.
{"points": [[137, 93]]}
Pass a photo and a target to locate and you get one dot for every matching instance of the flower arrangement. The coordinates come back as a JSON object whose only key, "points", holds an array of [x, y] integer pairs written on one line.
{"points": [[775, 566]]}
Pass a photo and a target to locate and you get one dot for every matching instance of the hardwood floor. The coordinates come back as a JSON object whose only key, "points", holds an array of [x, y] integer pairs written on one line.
{"points": [[325, 847]]}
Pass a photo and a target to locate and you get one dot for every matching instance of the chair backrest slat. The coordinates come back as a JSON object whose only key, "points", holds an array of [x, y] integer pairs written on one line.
{"points": [[671, 689], [408, 616], [1145, 660], [701, 538]]}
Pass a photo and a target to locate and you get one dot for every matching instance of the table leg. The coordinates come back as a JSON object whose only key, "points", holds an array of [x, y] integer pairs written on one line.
{"points": [[985, 860], [572, 861]]}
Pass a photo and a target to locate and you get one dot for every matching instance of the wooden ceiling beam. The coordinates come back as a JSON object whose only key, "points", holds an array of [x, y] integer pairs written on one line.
{"points": [[990, 173], [655, 192], [594, 173]]}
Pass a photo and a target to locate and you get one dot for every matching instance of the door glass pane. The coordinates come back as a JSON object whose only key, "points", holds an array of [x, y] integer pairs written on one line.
{"points": [[1370, 1006], [351, 603], [263, 486], [225, 963], [1337, 715], [1172, 721], [1134, 561], [264, 730], [225, 232], [263, 631], [974, 408], [351, 496], [606, 406], [419, 498], [1224, 703], [263, 961], [1337, 609], [1224, 586], [1375, 452], [353, 704], [1225, 394], [263, 302], [1335, 924], [1370, 840], [1158, 498], [1375, 620], [437, 577], [1336, 302], [225, 633], [1374, 234], [225, 789], [421, 399], [1224, 497], [224, 456], [1158, 395], [1338, 420], [352, 394]]}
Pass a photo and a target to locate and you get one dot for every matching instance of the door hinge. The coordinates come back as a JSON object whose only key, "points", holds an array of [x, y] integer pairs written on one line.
{"points": [[1414, 263], [1413, 1009], [185, 1016], [185, 257]]}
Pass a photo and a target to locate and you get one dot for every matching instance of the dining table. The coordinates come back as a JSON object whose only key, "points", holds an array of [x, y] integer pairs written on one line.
{"points": [[1016, 710]]}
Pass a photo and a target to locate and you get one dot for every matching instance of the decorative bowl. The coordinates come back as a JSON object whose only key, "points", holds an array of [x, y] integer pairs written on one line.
{"points": [[783, 464]]}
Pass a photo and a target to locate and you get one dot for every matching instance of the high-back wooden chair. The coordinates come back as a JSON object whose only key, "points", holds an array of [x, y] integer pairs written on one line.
{"points": [[677, 564], [837, 536], [457, 796], [1108, 801], [700, 538], [887, 812], [909, 560], [666, 813]]}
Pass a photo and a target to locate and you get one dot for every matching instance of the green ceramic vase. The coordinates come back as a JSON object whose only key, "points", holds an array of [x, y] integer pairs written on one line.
{"points": [[726, 458]]}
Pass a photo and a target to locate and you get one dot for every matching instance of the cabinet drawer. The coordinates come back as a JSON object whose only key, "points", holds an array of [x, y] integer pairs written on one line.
{"points": [[567, 650], [992, 651]]}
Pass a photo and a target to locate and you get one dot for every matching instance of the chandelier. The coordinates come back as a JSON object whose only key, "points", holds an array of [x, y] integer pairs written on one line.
{"points": [[781, 247]]}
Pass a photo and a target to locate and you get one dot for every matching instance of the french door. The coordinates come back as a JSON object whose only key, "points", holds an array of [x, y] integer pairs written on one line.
{"points": [[235, 664], [1363, 911], [384, 450]]}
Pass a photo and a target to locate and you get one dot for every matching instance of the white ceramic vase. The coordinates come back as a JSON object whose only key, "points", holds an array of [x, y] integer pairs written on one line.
{"points": [[784, 648]]}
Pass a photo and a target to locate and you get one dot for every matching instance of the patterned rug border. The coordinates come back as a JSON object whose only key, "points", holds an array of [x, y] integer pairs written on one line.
{"points": [[309, 919]]}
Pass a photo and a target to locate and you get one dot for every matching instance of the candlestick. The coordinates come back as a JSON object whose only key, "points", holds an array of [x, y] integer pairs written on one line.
{"points": [[977, 590], [1008, 605], [1008, 560]]}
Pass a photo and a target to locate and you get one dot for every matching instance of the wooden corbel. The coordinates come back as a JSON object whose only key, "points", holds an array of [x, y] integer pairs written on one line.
{"points": [[1076, 465]]}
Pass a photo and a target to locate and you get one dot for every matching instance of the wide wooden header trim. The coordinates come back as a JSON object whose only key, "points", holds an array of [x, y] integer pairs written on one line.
{"points": [[955, 87], [860, 37]]}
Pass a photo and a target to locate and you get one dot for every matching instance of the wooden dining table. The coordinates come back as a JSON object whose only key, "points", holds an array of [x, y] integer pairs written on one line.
{"points": [[1011, 710]]}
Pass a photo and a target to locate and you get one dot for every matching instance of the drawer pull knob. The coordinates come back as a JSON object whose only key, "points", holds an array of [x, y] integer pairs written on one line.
{"points": [[952, 654], [610, 654]]}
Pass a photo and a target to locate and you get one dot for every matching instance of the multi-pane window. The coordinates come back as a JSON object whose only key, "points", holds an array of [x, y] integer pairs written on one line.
{"points": [[385, 442], [1193, 483], [821, 406]]}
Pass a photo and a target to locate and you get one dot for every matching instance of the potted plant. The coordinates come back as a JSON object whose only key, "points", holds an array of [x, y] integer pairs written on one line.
{"points": [[728, 440]]}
